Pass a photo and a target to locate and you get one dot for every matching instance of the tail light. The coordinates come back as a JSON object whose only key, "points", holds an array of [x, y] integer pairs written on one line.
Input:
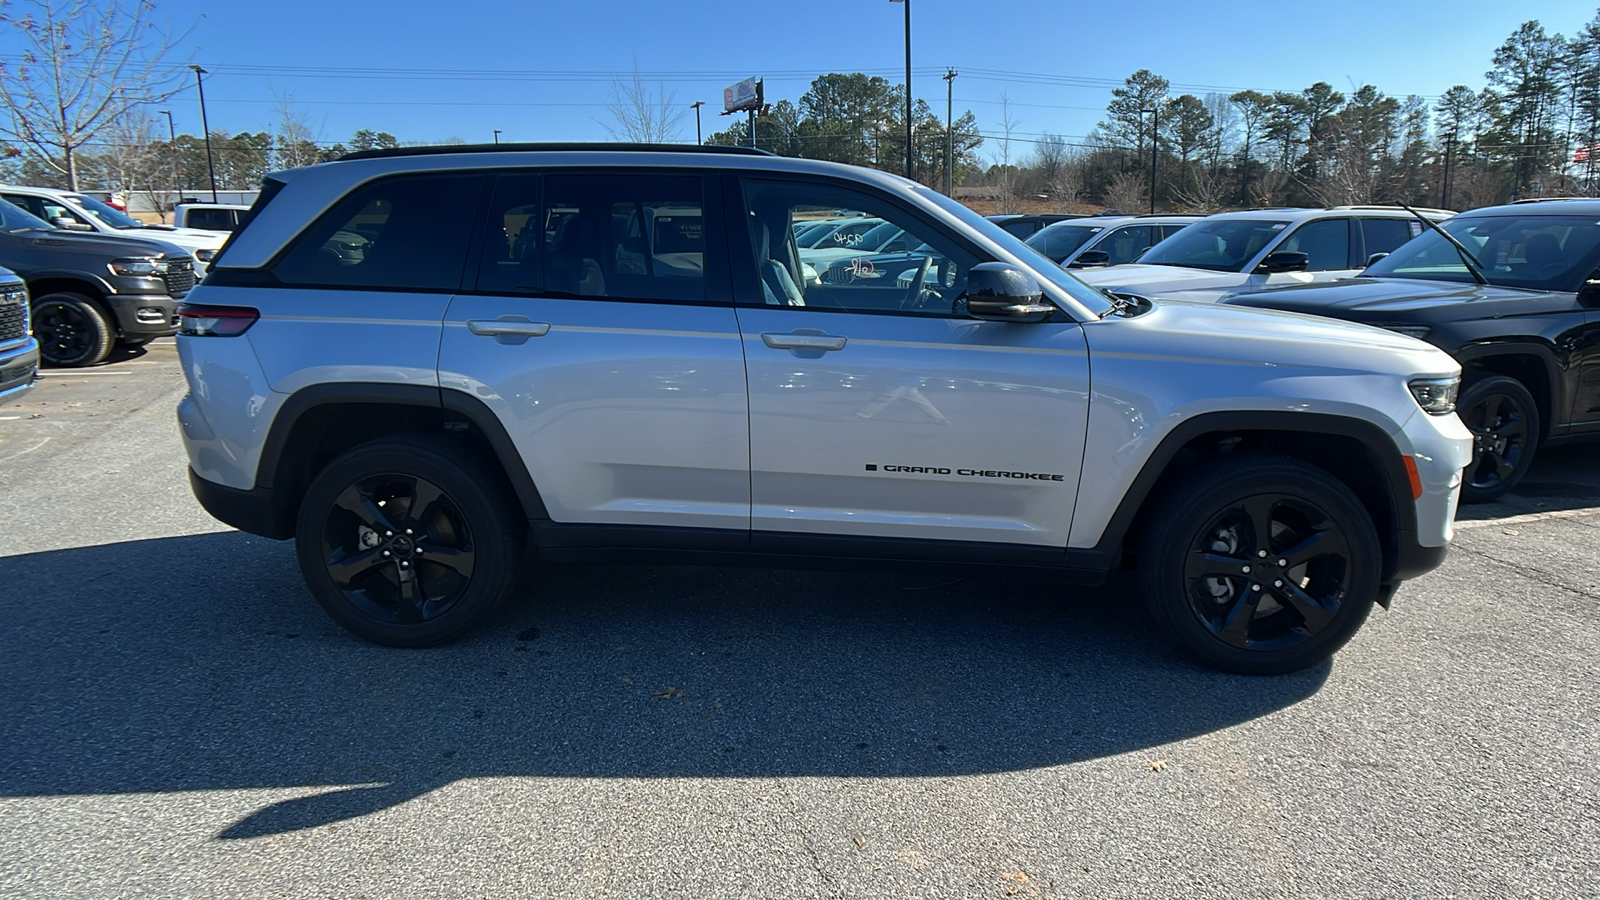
{"points": [[215, 321]]}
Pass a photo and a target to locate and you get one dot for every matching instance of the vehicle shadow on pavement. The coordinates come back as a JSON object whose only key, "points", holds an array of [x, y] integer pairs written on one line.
{"points": [[201, 663]]}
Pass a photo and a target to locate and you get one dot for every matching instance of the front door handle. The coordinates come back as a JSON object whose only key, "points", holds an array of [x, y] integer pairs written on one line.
{"points": [[803, 341]]}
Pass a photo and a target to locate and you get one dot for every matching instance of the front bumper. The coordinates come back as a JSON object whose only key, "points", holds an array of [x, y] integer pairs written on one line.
{"points": [[1441, 447], [19, 366], [144, 315]]}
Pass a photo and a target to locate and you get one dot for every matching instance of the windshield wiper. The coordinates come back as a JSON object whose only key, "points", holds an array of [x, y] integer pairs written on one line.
{"points": [[1474, 268]]}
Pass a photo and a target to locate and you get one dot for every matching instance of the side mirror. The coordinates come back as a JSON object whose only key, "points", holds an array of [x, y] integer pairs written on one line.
{"points": [[1589, 291], [999, 292], [1375, 257], [1090, 259], [1284, 261], [71, 224]]}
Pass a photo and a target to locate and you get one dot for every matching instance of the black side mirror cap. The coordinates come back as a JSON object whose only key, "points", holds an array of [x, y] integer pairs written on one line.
{"points": [[1000, 292], [1090, 259], [1284, 261]]}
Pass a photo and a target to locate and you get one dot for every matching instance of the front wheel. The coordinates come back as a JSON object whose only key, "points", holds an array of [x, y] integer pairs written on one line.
{"points": [[1504, 421], [410, 541], [1260, 565], [72, 331]]}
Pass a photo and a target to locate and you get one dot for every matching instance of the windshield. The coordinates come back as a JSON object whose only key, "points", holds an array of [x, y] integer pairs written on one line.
{"points": [[1094, 301], [1061, 240], [1223, 245], [107, 214], [14, 218], [1531, 250]]}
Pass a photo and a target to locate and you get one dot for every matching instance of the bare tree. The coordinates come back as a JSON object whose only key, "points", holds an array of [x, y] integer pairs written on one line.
{"points": [[1006, 171], [1067, 186], [1126, 192], [84, 65], [643, 116], [132, 159], [1208, 190], [296, 141]]}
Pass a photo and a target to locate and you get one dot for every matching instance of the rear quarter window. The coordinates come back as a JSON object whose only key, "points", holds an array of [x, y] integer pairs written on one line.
{"points": [[407, 233]]}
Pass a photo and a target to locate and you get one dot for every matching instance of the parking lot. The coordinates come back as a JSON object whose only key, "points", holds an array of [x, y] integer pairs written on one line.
{"points": [[180, 719]]}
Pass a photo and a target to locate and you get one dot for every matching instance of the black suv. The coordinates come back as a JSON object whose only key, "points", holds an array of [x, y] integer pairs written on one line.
{"points": [[1516, 299], [91, 291]]}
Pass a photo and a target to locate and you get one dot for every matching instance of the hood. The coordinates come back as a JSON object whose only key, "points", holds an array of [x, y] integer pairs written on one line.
{"points": [[1154, 280], [1285, 342], [193, 238], [95, 242], [1379, 297]]}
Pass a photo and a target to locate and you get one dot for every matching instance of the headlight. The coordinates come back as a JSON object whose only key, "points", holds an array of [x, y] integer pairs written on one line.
{"points": [[1420, 332], [205, 256], [139, 266], [1436, 396]]}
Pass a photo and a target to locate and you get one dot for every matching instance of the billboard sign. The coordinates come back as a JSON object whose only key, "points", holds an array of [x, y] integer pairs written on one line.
{"points": [[742, 96]]}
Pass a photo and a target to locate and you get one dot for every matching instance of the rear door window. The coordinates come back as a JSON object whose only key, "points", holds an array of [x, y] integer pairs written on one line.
{"points": [[408, 233], [602, 236], [1386, 235]]}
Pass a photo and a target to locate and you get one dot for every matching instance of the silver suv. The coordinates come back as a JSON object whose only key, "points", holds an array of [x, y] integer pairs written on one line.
{"points": [[425, 364]]}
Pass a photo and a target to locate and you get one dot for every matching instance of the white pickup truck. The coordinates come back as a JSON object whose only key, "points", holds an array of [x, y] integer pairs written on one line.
{"points": [[219, 217]]}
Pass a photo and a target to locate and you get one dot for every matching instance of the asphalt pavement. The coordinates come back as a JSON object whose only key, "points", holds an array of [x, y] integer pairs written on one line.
{"points": [[178, 718]]}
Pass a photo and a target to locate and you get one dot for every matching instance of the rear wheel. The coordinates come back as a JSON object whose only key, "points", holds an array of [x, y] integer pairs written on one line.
{"points": [[409, 542], [1504, 421], [1260, 565], [72, 331]]}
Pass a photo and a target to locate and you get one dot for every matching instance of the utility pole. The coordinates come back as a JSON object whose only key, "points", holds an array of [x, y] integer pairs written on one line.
{"points": [[696, 107], [1449, 145], [211, 165], [172, 153], [1155, 115], [949, 133], [497, 135]]}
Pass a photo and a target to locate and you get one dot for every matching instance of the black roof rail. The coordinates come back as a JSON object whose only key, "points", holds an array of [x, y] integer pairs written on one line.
{"points": [[441, 149]]}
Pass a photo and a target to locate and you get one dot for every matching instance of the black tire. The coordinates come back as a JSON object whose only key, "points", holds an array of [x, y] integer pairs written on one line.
{"points": [[72, 331], [418, 588], [1212, 591], [1504, 421]]}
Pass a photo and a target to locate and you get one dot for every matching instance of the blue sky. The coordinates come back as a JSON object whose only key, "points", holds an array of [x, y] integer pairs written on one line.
{"points": [[427, 71]]}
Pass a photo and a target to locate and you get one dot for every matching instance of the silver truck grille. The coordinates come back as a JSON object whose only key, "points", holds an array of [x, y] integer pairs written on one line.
{"points": [[13, 313]]}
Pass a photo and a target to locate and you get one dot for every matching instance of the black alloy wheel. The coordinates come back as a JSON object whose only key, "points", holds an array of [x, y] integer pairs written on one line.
{"points": [[1504, 421], [410, 541], [1267, 573], [1259, 564], [398, 548], [71, 331]]}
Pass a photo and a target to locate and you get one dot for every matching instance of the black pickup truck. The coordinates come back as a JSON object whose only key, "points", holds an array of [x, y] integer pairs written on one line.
{"points": [[91, 291], [1517, 303]]}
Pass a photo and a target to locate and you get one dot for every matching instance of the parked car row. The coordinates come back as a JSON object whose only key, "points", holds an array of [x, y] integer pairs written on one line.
{"points": [[1512, 292], [94, 278]]}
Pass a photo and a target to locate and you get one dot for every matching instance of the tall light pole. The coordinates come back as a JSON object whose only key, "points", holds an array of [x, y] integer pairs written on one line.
{"points": [[1449, 145], [211, 165], [949, 133], [172, 154], [497, 135], [696, 107], [911, 171]]}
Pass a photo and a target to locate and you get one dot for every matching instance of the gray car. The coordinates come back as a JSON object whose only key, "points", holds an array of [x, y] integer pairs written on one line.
{"points": [[91, 292]]}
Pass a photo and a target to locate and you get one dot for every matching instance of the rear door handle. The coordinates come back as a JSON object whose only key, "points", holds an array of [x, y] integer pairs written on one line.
{"points": [[803, 341], [518, 327]]}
